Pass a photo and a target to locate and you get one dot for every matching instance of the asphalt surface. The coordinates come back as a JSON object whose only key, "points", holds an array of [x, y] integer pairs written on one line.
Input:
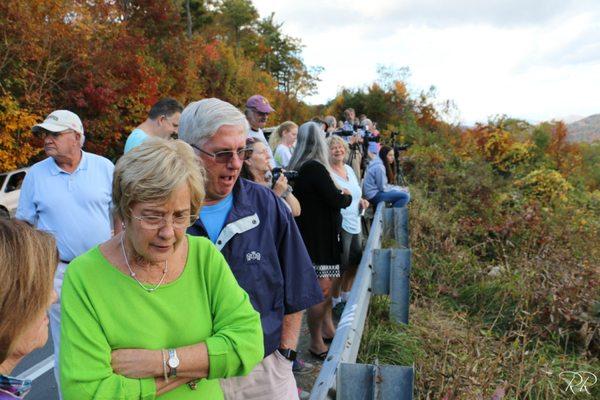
{"points": [[44, 385]]}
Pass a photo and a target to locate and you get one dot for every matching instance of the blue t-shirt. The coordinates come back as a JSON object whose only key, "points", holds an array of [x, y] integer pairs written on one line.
{"points": [[264, 249], [213, 217], [135, 138]]}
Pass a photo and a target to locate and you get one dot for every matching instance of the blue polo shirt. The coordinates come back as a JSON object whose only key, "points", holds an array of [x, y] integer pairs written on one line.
{"points": [[74, 207], [264, 249]]}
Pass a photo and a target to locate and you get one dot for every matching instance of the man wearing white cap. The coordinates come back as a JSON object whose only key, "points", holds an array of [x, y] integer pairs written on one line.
{"points": [[69, 195], [257, 113]]}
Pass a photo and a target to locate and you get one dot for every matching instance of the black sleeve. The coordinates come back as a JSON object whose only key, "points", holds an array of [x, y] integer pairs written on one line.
{"points": [[324, 186]]}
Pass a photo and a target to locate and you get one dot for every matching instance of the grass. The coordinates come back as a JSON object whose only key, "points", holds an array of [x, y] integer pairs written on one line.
{"points": [[457, 357], [384, 340], [475, 335]]}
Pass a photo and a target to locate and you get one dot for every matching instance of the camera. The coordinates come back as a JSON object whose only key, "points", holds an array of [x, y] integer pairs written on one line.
{"points": [[398, 146], [343, 133], [290, 174], [370, 137]]}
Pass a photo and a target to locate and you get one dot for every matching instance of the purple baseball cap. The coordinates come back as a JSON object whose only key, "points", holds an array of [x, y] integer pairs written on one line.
{"points": [[259, 103]]}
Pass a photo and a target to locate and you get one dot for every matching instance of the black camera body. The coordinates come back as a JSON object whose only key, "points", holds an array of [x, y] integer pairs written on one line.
{"points": [[343, 133], [370, 137], [289, 174]]}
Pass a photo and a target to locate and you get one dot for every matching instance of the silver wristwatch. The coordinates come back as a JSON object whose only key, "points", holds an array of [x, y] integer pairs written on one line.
{"points": [[173, 363]]}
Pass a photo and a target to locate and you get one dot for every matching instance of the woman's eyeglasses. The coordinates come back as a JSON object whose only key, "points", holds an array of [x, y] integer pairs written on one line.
{"points": [[182, 221], [224, 157]]}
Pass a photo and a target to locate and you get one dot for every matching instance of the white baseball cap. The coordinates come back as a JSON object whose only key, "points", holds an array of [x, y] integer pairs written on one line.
{"points": [[60, 120]]}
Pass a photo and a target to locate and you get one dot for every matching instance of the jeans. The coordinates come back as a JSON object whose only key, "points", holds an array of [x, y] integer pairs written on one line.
{"points": [[398, 198]]}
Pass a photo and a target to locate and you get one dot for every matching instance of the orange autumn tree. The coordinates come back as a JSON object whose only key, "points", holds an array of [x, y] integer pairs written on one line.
{"points": [[495, 145], [15, 134], [109, 61], [566, 156]]}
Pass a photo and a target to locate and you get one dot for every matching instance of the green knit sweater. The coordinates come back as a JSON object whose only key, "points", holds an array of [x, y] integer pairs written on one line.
{"points": [[104, 309]]}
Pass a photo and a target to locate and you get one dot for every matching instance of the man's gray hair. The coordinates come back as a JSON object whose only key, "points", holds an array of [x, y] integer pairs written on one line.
{"points": [[331, 122], [202, 119]]}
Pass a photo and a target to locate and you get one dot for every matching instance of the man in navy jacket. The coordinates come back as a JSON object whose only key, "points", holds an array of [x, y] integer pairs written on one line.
{"points": [[259, 239]]}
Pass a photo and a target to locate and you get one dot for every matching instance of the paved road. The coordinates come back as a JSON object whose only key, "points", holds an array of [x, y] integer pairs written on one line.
{"points": [[38, 366]]}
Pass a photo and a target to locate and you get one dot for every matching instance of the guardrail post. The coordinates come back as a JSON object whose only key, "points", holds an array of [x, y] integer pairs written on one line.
{"points": [[374, 382], [391, 275], [401, 226], [400, 284], [346, 341], [380, 282], [388, 223]]}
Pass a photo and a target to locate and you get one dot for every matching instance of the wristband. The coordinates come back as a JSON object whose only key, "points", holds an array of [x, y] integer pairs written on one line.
{"points": [[164, 359], [288, 353]]}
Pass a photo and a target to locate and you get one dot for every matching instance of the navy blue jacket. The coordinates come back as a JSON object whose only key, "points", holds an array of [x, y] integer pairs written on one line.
{"points": [[265, 252]]}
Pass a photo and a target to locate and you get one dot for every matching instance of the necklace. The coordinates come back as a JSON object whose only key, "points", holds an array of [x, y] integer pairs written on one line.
{"points": [[149, 290]]}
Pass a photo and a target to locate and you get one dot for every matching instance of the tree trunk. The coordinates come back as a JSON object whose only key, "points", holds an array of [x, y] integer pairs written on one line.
{"points": [[189, 18]]}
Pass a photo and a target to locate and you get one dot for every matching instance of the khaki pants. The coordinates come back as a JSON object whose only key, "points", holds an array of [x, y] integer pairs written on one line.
{"points": [[272, 379]]}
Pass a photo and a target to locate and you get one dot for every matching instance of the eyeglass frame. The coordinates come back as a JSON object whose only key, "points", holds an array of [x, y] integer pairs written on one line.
{"points": [[163, 221], [247, 151]]}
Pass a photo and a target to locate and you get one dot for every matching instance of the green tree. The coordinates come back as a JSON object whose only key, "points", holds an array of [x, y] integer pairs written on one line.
{"points": [[238, 16], [198, 15], [280, 55]]}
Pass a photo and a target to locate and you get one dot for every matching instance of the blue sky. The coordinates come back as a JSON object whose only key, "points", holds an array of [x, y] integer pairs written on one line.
{"points": [[536, 60]]}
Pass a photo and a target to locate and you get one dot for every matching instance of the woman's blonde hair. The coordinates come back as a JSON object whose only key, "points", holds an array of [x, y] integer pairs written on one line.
{"points": [[275, 137], [152, 171], [333, 140], [28, 260]]}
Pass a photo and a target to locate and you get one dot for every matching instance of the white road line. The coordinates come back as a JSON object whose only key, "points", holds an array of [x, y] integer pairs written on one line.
{"points": [[38, 369]]}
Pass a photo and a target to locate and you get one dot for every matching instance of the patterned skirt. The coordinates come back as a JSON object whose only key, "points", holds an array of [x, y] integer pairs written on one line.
{"points": [[327, 271]]}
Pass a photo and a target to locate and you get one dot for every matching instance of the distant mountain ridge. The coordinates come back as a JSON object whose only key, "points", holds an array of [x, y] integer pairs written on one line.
{"points": [[585, 130]]}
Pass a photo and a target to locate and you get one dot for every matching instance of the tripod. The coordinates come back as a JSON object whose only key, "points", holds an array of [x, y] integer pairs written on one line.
{"points": [[400, 178]]}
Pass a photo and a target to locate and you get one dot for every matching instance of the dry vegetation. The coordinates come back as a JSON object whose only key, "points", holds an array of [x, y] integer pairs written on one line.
{"points": [[506, 271]]}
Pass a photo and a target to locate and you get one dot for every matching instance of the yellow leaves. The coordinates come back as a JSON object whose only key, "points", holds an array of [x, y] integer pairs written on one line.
{"points": [[400, 89], [496, 145], [545, 185], [15, 134]]}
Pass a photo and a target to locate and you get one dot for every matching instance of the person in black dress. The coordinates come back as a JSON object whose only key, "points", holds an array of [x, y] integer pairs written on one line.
{"points": [[320, 224]]}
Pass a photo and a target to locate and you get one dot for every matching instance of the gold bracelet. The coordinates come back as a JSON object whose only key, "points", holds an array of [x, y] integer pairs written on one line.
{"points": [[165, 373]]}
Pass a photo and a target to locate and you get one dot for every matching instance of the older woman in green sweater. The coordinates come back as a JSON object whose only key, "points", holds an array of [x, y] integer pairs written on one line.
{"points": [[152, 312]]}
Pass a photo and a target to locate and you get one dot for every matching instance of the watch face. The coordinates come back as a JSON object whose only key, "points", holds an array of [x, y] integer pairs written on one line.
{"points": [[173, 362]]}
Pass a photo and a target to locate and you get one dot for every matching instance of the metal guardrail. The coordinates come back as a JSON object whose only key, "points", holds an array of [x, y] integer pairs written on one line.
{"points": [[381, 271]]}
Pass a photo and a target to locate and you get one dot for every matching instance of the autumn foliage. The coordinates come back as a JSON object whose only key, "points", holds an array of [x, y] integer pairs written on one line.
{"points": [[15, 140], [109, 61], [504, 223]]}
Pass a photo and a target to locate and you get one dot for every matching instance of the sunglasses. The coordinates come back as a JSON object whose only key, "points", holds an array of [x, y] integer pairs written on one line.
{"points": [[224, 157], [43, 133]]}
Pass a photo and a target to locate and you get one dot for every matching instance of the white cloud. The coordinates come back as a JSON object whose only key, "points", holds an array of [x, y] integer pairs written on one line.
{"points": [[530, 59]]}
